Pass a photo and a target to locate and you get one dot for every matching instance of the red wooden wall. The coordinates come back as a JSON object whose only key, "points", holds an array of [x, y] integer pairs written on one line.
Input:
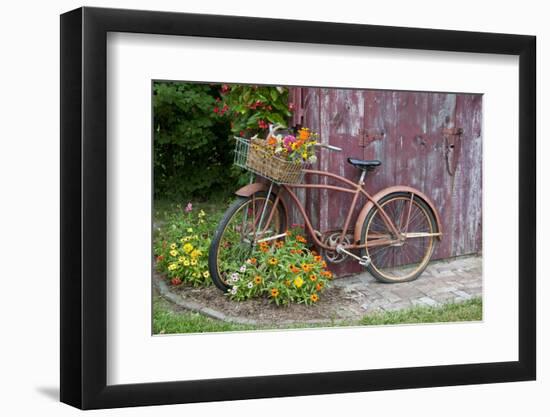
{"points": [[410, 133]]}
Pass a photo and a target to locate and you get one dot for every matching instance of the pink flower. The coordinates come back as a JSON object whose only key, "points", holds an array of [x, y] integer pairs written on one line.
{"points": [[288, 141], [216, 110], [189, 207]]}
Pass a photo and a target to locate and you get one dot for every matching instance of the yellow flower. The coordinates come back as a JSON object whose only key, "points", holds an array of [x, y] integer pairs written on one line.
{"points": [[257, 279], [272, 261], [193, 262], [172, 267], [314, 297], [174, 252], [186, 262], [274, 292], [298, 282], [173, 246], [181, 259], [202, 213], [196, 253], [206, 274], [188, 247], [190, 230]]}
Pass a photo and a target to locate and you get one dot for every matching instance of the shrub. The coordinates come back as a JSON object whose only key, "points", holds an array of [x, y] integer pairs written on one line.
{"points": [[192, 154], [181, 248], [285, 271]]}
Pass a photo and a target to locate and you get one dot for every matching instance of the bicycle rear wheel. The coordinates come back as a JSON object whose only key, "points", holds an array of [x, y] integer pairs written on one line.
{"points": [[234, 239], [406, 260]]}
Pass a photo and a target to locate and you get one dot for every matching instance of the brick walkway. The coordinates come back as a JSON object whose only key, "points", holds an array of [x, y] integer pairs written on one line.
{"points": [[454, 280]]}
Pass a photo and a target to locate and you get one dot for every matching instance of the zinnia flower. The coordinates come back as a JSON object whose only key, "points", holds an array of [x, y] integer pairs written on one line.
{"points": [[250, 284], [257, 279], [274, 292], [298, 282], [313, 277], [188, 248], [174, 252], [189, 207], [272, 261], [314, 297]]}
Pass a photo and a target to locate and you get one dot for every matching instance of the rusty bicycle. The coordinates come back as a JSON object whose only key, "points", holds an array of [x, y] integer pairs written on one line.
{"points": [[393, 236]]}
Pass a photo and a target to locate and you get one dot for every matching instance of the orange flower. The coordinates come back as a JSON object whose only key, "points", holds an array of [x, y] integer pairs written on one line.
{"points": [[301, 239], [252, 261], [271, 141], [318, 258], [304, 134], [327, 274], [313, 277], [274, 292], [319, 286], [324, 264], [257, 279], [279, 244], [264, 249], [306, 267], [294, 269], [314, 297], [264, 244]]}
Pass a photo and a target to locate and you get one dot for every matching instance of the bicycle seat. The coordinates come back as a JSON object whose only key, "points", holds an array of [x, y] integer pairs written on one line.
{"points": [[367, 165]]}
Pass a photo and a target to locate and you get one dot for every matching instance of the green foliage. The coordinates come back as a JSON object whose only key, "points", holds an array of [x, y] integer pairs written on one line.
{"points": [[192, 153]]}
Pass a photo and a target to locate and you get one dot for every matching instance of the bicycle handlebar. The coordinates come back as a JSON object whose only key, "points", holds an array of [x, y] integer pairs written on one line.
{"points": [[329, 147]]}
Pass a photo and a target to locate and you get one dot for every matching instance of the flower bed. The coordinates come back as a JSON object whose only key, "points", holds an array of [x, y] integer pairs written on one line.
{"points": [[285, 271]]}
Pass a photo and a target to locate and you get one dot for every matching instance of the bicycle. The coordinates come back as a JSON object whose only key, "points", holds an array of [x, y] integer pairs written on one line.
{"points": [[395, 232]]}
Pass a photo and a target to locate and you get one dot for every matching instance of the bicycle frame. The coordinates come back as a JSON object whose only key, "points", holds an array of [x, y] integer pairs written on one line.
{"points": [[356, 189]]}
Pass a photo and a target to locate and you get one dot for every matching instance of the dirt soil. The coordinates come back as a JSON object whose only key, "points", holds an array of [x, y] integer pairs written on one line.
{"points": [[333, 305]]}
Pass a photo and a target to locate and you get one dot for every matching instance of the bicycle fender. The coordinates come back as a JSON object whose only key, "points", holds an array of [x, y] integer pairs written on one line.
{"points": [[250, 189], [382, 193]]}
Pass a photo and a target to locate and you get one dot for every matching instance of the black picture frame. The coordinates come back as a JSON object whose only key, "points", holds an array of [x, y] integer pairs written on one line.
{"points": [[84, 207]]}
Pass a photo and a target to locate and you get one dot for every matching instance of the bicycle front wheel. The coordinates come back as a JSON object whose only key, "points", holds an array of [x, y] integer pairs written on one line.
{"points": [[237, 232], [404, 260]]}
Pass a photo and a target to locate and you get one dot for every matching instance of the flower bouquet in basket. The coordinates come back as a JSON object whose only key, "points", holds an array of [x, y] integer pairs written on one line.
{"points": [[281, 157]]}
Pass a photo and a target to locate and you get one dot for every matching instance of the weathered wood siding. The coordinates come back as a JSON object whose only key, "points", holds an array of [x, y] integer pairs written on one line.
{"points": [[405, 130]]}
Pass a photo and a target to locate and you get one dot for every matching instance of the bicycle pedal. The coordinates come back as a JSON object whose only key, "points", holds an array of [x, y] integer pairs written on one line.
{"points": [[365, 261]]}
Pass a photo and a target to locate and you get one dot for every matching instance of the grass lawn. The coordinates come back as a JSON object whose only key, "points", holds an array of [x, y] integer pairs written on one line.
{"points": [[168, 320]]}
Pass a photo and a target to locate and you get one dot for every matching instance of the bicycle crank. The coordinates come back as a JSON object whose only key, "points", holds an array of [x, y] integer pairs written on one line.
{"points": [[363, 260]]}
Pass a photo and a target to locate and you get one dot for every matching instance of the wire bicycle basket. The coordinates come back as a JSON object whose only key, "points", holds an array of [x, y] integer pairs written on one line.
{"points": [[254, 156]]}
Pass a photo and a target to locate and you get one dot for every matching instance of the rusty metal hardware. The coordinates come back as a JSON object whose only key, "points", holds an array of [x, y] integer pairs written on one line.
{"points": [[453, 145], [369, 135]]}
